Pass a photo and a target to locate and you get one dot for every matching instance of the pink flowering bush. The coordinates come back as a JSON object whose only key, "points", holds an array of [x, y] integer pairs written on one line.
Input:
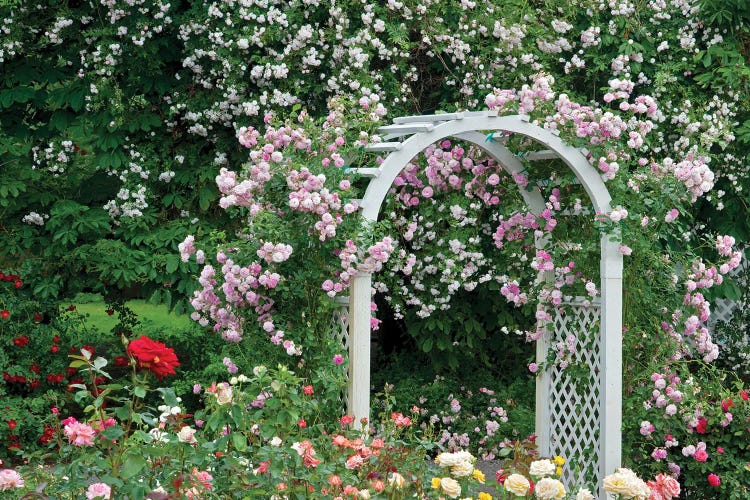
{"points": [[692, 426]]}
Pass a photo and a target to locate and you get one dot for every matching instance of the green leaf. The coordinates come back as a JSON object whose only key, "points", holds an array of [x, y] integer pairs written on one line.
{"points": [[140, 391], [133, 464], [239, 441], [173, 262]]}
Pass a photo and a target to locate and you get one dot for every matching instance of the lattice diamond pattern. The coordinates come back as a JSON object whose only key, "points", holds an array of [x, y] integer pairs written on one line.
{"points": [[574, 401], [723, 309], [340, 329]]}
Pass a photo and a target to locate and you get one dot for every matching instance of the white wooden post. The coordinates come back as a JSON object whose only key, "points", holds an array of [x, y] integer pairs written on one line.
{"points": [[610, 389], [358, 395]]}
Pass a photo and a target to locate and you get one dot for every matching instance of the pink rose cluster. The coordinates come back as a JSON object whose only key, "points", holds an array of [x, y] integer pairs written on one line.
{"points": [[10, 479], [78, 433], [99, 491]]}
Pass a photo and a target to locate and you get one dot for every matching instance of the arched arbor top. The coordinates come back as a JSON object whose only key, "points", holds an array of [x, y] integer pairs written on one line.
{"points": [[408, 136]]}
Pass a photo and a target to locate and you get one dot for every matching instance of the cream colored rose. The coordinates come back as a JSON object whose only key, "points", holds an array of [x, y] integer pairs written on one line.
{"points": [[517, 484], [451, 459], [446, 460], [542, 468], [627, 484], [396, 480], [450, 487], [549, 489], [186, 435], [365, 494], [224, 395], [584, 494], [462, 469]]}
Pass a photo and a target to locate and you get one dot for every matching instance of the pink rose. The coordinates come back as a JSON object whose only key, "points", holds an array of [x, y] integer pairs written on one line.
{"points": [[701, 455], [670, 487]]}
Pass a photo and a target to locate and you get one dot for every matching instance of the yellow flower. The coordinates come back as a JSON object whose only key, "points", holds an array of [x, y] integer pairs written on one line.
{"points": [[478, 475], [484, 496], [435, 482], [559, 460], [558, 471]]}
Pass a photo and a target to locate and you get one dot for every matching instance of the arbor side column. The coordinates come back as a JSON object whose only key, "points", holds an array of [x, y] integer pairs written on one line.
{"points": [[358, 393], [610, 362], [543, 426], [544, 422]]}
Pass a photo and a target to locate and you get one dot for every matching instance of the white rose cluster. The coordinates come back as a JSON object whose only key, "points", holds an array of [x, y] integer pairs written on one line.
{"points": [[461, 463], [627, 484]]}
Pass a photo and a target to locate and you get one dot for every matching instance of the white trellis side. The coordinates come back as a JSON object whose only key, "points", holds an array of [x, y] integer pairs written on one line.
{"points": [[603, 426]]}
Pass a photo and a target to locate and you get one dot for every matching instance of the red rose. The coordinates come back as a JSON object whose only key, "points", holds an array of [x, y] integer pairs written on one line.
{"points": [[18, 284], [308, 390], [54, 348], [743, 395], [5, 314], [726, 404], [714, 480], [500, 476], [121, 361], [11, 424], [21, 341], [702, 425], [155, 356], [302, 424]]}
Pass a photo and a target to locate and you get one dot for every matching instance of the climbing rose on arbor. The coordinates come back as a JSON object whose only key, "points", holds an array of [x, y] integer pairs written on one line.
{"points": [[155, 356]]}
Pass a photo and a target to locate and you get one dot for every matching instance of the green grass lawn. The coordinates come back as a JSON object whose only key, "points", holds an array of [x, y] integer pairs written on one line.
{"points": [[152, 317]]}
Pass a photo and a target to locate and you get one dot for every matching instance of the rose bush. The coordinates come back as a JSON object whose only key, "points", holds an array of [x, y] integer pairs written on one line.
{"points": [[111, 145]]}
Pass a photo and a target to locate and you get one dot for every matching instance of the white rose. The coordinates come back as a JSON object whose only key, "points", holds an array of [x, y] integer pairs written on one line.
{"points": [[549, 489], [626, 483], [450, 487], [186, 435], [224, 395], [462, 469], [276, 441], [446, 460], [517, 484], [364, 494], [584, 494], [542, 468], [396, 480]]}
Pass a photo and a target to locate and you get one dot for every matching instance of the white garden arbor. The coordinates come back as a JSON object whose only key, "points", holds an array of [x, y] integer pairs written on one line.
{"points": [[582, 425]]}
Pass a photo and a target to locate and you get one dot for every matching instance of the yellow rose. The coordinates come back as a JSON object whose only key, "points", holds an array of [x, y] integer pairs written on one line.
{"points": [[450, 487], [517, 484], [558, 460], [558, 471], [478, 475], [484, 496], [549, 489], [435, 482]]}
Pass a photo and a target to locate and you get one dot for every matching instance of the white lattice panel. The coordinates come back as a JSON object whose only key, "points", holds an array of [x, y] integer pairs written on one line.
{"points": [[574, 393], [723, 309], [340, 329]]}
